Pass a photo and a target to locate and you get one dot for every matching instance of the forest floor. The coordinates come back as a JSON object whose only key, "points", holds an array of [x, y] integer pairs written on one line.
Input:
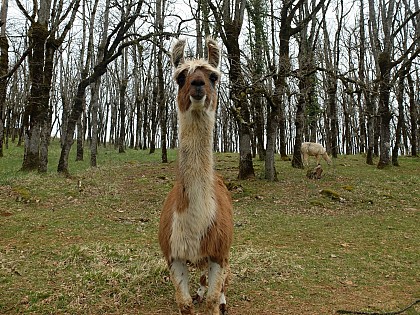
{"points": [[87, 244]]}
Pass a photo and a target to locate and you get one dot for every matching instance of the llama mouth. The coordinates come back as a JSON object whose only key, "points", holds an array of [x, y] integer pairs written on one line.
{"points": [[198, 96], [197, 99]]}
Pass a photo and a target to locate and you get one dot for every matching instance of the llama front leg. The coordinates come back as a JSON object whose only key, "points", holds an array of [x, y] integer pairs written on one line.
{"points": [[179, 277], [305, 158], [215, 295]]}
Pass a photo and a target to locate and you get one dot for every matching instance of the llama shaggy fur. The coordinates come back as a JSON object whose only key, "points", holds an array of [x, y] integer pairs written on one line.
{"points": [[196, 224]]}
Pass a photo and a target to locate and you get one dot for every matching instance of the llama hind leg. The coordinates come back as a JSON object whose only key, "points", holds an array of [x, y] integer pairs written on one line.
{"points": [[226, 278], [215, 297], [179, 277]]}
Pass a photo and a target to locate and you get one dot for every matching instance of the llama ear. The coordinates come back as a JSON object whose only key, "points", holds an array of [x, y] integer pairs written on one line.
{"points": [[213, 52], [178, 52]]}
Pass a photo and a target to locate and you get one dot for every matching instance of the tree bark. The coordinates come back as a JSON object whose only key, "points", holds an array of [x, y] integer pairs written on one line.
{"points": [[401, 120], [299, 123], [163, 112], [362, 91], [38, 34], [121, 138], [384, 112], [4, 63], [414, 120]]}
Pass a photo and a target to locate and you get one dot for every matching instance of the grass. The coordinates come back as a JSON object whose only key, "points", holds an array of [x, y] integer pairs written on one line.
{"points": [[88, 244]]}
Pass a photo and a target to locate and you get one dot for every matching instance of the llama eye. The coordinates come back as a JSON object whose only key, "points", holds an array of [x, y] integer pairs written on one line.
{"points": [[181, 79], [214, 77]]}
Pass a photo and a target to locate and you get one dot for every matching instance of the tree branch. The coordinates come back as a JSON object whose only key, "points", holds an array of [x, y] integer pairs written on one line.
{"points": [[25, 13], [17, 65]]}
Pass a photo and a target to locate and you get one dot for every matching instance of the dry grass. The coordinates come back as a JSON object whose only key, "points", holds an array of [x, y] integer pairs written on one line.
{"points": [[87, 244]]}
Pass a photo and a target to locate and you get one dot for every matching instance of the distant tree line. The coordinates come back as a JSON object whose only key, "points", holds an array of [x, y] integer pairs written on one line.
{"points": [[344, 74]]}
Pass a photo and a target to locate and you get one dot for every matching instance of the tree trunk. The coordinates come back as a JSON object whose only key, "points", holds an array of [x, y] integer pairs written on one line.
{"points": [[241, 106], [38, 34], [4, 63], [95, 90], [401, 120], [46, 111], [75, 116], [280, 86], [347, 126], [153, 120], [272, 124], [306, 93], [362, 77], [371, 122], [256, 12], [121, 139], [80, 134], [137, 55], [299, 123], [413, 116], [146, 129], [383, 109], [94, 109], [276, 119], [163, 112]]}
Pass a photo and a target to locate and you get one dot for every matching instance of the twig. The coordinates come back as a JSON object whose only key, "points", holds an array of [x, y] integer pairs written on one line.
{"points": [[379, 313]]}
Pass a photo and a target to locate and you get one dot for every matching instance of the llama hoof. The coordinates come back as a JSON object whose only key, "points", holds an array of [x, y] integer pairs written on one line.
{"points": [[187, 310], [197, 299], [223, 309]]}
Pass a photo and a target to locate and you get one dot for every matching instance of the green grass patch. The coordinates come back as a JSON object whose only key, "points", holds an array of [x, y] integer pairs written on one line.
{"points": [[88, 244]]}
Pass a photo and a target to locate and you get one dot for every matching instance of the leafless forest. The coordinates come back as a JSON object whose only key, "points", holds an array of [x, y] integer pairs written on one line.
{"points": [[98, 73]]}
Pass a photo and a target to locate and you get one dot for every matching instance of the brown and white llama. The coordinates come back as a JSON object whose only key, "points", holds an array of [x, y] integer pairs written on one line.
{"points": [[196, 224], [313, 149]]}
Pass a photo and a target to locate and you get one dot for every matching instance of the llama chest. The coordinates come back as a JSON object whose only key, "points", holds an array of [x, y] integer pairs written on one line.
{"points": [[190, 226]]}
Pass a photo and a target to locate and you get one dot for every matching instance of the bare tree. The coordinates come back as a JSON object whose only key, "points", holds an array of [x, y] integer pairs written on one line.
{"points": [[383, 51], [413, 109], [95, 89], [307, 101], [230, 16], [122, 102], [4, 63], [366, 91], [259, 49], [332, 59], [44, 43], [276, 117], [113, 49], [163, 112]]}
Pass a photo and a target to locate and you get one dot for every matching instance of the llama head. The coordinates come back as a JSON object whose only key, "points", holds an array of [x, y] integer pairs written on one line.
{"points": [[197, 79]]}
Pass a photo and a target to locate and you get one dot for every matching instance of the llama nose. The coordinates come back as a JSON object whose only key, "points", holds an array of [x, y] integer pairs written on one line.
{"points": [[198, 83], [197, 88]]}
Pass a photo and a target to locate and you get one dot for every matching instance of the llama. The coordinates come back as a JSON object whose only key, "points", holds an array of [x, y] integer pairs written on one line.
{"points": [[313, 149], [196, 223]]}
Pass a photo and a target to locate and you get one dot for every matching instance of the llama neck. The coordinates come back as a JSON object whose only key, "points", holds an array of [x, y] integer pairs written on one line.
{"points": [[196, 175], [195, 152]]}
